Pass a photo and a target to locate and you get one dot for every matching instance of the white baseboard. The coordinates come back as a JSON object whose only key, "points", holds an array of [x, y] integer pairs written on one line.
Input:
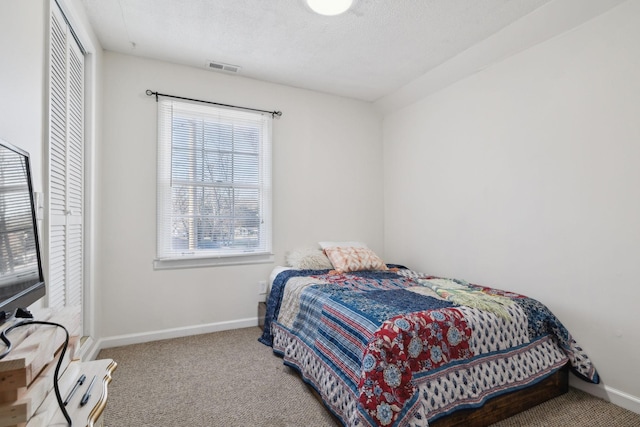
{"points": [[610, 394], [84, 351], [120, 340]]}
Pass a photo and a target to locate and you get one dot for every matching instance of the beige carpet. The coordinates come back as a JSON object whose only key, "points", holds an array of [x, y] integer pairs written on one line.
{"points": [[229, 379]]}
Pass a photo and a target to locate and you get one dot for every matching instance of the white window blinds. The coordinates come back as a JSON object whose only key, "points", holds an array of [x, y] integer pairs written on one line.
{"points": [[214, 182], [66, 166]]}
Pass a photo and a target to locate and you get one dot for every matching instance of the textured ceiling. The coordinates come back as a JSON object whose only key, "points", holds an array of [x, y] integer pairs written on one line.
{"points": [[375, 48]]}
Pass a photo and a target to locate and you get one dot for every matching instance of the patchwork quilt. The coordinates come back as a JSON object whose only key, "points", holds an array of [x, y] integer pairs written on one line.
{"points": [[400, 348]]}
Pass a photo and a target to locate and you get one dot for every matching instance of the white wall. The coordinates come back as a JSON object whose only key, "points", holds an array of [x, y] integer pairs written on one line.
{"points": [[525, 177], [327, 186], [22, 79]]}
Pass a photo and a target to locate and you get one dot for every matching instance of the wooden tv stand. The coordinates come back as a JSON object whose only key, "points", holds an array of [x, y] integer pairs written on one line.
{"points": [[92, 413], [27, 395]]}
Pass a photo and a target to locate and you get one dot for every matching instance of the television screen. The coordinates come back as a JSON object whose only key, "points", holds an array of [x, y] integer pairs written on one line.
{"points": [[21, 279]]}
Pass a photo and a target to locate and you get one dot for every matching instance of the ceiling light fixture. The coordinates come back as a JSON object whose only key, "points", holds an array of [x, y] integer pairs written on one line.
{"points": [[329, 7]]}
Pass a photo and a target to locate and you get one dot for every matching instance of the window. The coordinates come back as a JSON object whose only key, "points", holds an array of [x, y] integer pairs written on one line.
{"points": [[214, 185]]}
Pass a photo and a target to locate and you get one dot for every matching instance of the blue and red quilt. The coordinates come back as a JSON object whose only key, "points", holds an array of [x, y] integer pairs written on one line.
{"points": [[400, 348]]}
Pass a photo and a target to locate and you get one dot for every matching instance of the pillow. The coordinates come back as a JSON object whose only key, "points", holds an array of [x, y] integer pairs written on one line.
{"points": [[346, 259], [308, 258], [325, 245]]}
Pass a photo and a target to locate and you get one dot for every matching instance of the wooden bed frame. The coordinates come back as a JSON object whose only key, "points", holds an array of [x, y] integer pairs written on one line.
{"points": [[509, 404], [500, 407]]}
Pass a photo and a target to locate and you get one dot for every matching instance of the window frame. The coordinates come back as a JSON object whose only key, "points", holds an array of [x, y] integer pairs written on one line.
{"points": [[167, 255]]}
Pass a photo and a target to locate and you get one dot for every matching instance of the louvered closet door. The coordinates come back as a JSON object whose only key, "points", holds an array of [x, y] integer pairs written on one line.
{"points": [[66, 167]]}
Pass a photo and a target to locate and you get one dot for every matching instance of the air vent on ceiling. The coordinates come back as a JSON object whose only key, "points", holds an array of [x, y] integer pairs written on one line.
{"points": [[220, 66]]}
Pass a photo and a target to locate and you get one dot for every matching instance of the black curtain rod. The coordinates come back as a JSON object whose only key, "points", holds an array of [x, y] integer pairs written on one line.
{"points": [[157, 94]]}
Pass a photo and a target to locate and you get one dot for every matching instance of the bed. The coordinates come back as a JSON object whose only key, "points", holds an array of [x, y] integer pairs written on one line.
{"points": [[383, 345]]}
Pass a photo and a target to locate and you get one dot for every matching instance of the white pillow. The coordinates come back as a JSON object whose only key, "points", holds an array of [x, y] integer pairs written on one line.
{"points": [[325, 245], [308, 259]]}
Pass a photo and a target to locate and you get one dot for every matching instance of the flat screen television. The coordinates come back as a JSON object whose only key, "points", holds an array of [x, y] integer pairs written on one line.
{"points": [[21, 279]]}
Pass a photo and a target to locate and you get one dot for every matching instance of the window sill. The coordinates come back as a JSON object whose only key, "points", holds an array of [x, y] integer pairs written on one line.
{"points": [[193, 262]]}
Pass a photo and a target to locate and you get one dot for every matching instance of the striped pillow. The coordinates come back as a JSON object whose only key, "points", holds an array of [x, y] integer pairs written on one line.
{"points": [[346, 259]]}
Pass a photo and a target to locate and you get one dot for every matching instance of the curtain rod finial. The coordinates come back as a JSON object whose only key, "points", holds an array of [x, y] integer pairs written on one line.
{"points": [[150, 92]]}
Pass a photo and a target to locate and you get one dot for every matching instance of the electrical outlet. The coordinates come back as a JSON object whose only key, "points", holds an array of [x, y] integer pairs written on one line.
{"points": [[262, 287]]}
